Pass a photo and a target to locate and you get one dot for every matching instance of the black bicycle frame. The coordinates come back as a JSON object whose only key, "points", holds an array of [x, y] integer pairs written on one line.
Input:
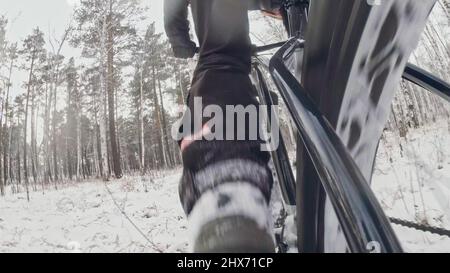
{"points": [[428, 81], [280, 156], [360, 215]]}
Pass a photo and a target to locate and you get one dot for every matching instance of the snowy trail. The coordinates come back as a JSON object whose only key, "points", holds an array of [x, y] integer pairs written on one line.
{"points": [[84, 218]]}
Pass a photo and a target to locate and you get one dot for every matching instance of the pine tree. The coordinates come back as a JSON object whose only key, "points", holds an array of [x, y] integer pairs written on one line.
{"points": [[104, 31], [33, 52]]}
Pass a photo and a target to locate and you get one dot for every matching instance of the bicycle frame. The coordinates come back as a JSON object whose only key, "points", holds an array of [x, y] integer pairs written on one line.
{"points": [[359, 213], [427, 81]]}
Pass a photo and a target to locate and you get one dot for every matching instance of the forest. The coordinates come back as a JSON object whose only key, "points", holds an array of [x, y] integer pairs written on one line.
{"points": [[87, 158], [108, 112], [100, 115]]}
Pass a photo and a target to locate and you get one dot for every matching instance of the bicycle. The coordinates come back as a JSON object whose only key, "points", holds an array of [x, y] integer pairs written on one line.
{"points": [[336, 210]]}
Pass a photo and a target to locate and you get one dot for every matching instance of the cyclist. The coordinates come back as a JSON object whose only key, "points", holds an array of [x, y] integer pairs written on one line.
{"points": [[226, 184]]}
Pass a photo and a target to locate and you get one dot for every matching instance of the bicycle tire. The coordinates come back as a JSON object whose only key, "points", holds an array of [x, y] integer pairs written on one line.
{"points": [[343, 67]]}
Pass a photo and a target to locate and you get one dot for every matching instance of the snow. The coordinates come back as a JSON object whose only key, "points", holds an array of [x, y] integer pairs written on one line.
{"points": [[83, 218], [412, 184]]}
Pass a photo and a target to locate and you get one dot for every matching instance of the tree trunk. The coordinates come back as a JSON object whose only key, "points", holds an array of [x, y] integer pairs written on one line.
{"points": [[46, 129], [110, 91], [96, 149], [165, 138], [141, 123], [54, 148], [27, 101], [183, 99], [19, 175], [103, 158], [33, 141], [2, 185], [162, 155], [10, 171], [69, 114], [5, 138], [78, 138]]}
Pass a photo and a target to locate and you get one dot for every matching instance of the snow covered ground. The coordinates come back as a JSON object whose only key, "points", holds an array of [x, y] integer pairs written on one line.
{"points": [[82, 217], [412, 181]]}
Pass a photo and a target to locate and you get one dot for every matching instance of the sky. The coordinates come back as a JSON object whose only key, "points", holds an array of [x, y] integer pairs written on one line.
{"points": [[53, 16]]}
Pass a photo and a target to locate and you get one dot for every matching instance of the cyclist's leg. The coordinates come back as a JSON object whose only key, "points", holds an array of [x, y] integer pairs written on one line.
{"points": [[226, 184]]}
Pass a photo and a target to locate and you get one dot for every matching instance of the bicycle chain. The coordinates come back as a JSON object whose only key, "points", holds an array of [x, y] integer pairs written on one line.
{"points": [[420, 227]]}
